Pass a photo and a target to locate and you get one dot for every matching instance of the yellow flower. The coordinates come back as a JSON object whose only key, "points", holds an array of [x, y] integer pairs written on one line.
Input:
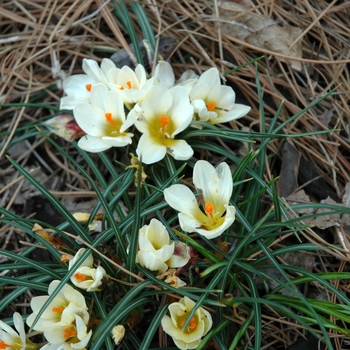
{"points": [[198, 326]]}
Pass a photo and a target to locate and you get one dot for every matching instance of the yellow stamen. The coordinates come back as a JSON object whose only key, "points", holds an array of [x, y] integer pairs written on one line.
{"points": [[57, 309], [165, 121], [211, 106], [80, 277], [110, 120], [209, 208], [68, 333], [88, 87]]}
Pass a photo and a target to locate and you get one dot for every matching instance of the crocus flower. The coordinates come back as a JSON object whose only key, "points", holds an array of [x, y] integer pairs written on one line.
{"points": [[68, 336], [213, 215], [78, 87], [103, 121], [62, 310], [215, 103], [164, 113], [10, 339], [156, 250], [132, 85], [86, 276], [198, 326]]}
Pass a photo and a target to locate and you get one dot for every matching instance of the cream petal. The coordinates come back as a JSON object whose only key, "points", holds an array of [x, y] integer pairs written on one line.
{"points": [[91, 68], [118, 141], [113, 103], [176, 261], [215, 184], [149, 150], [97, 97], [93, 144], [91, 119], [164, 74], [144, 243], [237, 111], [157, 102], [151, 261], [179, 149], [157, 234], [87, 262], [223, 96], [211, 78]]}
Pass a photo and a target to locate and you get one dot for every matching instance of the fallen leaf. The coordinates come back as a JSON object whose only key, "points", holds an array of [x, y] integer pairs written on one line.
{"points": [[261, 31]]}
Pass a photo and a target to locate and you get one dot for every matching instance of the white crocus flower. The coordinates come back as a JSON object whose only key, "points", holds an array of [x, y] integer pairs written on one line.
{"points": [[198, 326], [73, 336], [163, 114], [156, 250], [132, 85], [86, 276], [215, 103], [10, 339], [103, 121], [78, 87], [213, 215], [62, 310]]}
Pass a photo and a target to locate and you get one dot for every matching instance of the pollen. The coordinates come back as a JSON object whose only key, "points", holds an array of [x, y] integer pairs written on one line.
{"points": [[165, 121], [88, 87], [209, 208], [80, 277], [211, 106], [110, 120], [3, 345], [57, 309], [192, 324], [68, 333]]}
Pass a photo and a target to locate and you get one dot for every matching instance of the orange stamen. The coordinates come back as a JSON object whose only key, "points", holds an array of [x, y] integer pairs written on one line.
{"points": [[122, 88], [88, 87], [57, 309], [128, 83], [192, 324], [80, 277], [110, 120], [3, 345], [165, 121], [211, 106], [209, 208], [68, 333]]}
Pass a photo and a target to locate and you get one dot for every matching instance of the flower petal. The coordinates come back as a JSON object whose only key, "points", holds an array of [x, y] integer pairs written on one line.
{"points": [[149, 150], [93, 144]]}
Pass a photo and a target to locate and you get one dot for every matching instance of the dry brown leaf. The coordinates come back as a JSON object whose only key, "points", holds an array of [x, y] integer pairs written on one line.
{"points": [[288, 180], [261, 31]]}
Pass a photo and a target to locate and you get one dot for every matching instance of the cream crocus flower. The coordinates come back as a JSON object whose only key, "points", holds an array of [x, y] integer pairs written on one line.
{"points": [[78, 87], [103, 121], [198, 326], [67, 304], [86, 276], [10, 339], [215, 103], [164, 113], [132, 85], [213, 214], [68, 336], [156, 250]]}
